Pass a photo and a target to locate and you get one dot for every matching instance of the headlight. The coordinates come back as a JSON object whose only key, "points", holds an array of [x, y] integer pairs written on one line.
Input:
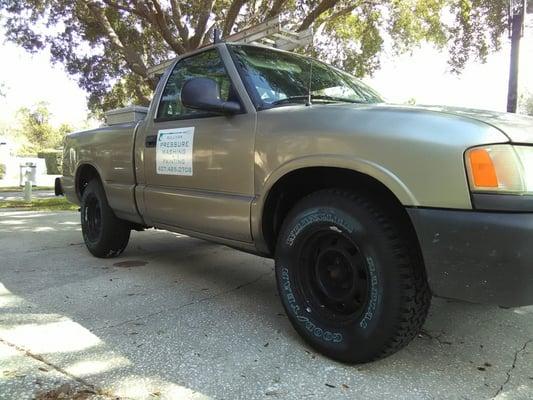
{"points": [[500, 169]]}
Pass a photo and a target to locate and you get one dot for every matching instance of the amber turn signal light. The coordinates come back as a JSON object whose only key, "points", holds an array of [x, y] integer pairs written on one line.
{"points": [[500, 168], [482, 169]]}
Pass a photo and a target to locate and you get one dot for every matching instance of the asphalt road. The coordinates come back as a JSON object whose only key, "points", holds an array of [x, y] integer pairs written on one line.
{"points": [[181, 318]]}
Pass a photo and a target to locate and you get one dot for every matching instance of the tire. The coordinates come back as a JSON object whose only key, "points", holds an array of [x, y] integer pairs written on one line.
{"points": [[105, 235], [353, 286]]}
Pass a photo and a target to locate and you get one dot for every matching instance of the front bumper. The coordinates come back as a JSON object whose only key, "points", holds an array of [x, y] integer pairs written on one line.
{"points": [[482, 257]]}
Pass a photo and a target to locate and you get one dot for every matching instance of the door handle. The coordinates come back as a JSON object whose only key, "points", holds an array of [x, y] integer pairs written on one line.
{"points": [[151, 141]]}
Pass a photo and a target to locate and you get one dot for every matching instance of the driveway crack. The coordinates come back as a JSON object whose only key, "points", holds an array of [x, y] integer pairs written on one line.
{"points": [[198, 301], [513, 366], [46, 248], [424, 333], [59, 369]]}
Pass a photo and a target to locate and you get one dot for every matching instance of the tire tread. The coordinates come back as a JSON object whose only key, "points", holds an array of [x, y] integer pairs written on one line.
{"points": [[116, 232], [416, 299]]}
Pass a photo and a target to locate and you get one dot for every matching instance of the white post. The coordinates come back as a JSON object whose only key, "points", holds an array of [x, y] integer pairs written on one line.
{"points": [[27, 187]]}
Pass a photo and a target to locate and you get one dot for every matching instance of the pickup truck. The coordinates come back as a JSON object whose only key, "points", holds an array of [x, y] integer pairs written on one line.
{"points": [[367, 208]]}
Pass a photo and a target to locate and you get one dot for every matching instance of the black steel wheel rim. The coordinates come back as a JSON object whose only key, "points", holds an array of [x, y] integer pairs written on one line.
{"points": [[92, 218], [333, 275]]}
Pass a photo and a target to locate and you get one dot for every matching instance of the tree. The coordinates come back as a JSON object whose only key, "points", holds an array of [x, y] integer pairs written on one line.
{"points": [[526, 104], [108, 45], [36, 128]]}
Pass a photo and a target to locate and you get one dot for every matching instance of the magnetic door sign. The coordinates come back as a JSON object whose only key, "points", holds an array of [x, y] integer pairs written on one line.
{"points": [[174, 151]]}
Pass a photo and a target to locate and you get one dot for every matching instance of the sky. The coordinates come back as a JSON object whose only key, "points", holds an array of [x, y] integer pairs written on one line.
{"points": [[425, 76], [30, 78], [422, 75]]}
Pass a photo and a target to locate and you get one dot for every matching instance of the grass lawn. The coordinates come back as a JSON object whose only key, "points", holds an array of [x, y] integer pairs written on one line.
{"points": [[47, 204], [20, 189]]}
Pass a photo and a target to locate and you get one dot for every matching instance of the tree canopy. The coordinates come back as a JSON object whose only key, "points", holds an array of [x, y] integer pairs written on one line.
{"points": [[36, 129], [108, 45]]}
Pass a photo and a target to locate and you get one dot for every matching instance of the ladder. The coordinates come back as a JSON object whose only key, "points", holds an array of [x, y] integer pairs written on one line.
{"points": [[273, 33], [270, 33]]}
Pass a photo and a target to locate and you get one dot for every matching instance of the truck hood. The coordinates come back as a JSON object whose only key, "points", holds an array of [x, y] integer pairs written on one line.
{"points": [[518, 128]]}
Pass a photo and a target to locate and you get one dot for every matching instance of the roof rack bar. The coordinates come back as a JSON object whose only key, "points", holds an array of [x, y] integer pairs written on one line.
{"points": [[160, 68]]}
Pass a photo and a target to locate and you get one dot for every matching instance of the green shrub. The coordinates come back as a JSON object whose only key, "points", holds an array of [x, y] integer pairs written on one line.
{"points": [[53, 159], [2, 170]]}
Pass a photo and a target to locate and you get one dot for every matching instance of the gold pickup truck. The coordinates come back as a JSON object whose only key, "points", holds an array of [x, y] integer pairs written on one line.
{"points": [[368, 209]]}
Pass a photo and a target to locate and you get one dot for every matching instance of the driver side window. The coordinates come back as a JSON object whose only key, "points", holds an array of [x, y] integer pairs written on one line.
{"points": [[207, 65]]}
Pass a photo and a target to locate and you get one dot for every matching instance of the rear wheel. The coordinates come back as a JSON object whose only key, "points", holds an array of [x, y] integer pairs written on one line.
{"points": [[351, 283], [104, 234]]}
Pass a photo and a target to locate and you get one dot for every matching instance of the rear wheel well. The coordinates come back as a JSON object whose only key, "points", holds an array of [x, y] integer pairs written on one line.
{"points": [[297, 184], [85, 174]]}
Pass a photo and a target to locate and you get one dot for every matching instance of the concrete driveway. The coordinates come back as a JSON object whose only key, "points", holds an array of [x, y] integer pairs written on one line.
{"points": [[179, 318]]}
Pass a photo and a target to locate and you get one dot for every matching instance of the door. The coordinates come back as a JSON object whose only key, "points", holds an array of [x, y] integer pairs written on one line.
{"points": [[198, 166]]}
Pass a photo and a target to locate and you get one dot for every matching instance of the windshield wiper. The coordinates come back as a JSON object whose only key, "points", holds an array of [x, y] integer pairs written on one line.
{"points": [[290, 99], [294, 99], [337, 99]]}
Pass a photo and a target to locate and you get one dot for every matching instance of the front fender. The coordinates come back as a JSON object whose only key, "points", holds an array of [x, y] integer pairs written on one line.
{"points": [[366, 167], [386, 177]]}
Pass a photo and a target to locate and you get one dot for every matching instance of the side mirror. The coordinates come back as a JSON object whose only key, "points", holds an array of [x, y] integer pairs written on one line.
{"points": [[203, 94]]}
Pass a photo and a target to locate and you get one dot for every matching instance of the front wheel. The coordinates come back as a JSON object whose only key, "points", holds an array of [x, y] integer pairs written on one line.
{"points": [[104, 234], [349, 281]]}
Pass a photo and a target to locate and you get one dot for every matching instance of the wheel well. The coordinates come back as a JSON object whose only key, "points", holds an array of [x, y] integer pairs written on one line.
{"points": [[84, 175], [297, 184]]}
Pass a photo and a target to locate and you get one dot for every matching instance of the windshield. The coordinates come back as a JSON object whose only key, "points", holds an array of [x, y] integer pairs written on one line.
{"points": [[284, 78]]}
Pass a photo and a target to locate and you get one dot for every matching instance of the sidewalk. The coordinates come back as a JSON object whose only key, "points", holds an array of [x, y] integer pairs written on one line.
{"points": [[42, 180], [19, 195]]}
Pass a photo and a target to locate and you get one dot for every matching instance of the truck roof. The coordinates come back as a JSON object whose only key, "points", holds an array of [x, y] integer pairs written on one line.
{"points": [[160, 69]]}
